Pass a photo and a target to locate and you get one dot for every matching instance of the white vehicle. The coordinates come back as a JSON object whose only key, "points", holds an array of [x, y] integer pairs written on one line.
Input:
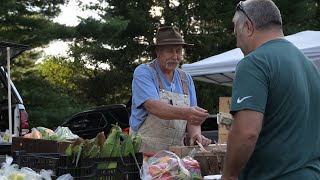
{"points": [[19, 114]]}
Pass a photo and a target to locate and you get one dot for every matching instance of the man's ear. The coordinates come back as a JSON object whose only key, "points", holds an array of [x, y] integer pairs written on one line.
{"points": [[249, 28]]}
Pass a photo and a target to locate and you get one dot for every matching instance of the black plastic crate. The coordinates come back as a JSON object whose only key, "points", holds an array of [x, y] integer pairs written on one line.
{"points": [[95, 168], [84, 169], [127, 168], [37, 161]]}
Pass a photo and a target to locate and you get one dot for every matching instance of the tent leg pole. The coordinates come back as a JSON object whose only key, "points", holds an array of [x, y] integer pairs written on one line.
{"points": [[9, 95]]}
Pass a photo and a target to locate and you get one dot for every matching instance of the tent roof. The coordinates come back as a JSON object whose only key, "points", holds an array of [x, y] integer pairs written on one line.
{"points": [[219, 69], [15, 50]]}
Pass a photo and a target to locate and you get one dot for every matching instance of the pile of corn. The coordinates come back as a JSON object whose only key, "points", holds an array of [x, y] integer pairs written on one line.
{"points": [[117, 144]]}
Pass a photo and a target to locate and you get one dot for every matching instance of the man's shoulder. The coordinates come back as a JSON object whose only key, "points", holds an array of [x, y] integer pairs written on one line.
{"points": [[181, 71], [143, 69]]}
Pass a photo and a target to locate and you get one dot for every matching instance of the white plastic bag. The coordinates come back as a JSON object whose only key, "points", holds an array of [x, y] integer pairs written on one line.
{"points": [[65, 133], [46, 174], [65, 177], [30, 174], [8, 168]]}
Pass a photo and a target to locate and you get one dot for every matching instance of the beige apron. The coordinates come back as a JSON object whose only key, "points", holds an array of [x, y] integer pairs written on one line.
{"points": [[158, 134]]}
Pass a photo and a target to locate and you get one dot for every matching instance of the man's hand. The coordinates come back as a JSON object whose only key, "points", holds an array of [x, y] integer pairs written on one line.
{"points": [[196, 115], [200, 138]]}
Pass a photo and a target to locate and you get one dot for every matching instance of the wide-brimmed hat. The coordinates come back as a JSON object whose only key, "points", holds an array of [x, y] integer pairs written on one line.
{"points": [[168, 35]]}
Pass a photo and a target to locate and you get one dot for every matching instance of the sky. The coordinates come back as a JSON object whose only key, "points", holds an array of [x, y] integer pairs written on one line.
{"points": [[71, 11], [68, 17]]}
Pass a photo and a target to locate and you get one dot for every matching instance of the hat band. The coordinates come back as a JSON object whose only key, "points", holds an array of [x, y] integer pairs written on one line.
{"points": [[171, 41]]}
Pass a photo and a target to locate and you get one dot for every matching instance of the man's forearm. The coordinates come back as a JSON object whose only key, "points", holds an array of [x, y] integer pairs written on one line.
{"points": [[239, 149], [165, 111], [193, 130]]}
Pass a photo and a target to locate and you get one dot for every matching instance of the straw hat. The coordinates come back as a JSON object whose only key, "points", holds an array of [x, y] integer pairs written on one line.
{"points": [[168, 35]]}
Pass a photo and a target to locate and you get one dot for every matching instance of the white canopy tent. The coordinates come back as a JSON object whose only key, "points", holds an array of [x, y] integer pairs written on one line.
{"points": [[219, 69]]}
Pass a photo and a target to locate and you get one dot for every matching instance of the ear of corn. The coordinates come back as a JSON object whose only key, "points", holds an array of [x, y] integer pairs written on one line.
{"points": [[111, 148], [87, 146], [137, 141], [94, 151], [76, 151], [69, 150], [126, 145], [101, 138]]}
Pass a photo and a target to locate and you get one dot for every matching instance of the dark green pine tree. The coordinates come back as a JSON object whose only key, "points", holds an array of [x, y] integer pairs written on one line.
{"points": [[30, 22]]}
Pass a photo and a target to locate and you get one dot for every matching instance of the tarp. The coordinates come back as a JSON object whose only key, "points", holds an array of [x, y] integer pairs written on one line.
{"points": [[219, 69]]}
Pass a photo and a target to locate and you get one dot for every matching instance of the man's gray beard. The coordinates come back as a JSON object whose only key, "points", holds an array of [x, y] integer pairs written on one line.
{"points": [[167, 64]]}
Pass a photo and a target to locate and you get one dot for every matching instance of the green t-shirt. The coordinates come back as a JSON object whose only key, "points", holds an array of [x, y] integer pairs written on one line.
{"points": [[280, 82]]}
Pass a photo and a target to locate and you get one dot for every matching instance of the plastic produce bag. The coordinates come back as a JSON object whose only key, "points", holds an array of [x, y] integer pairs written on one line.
{"points": [[65, 133], [65, 177], [192, 166], [164, 165], [12, 172], [35, 134], [8, 168], [31, 174], [5, 136], [46, 174]]}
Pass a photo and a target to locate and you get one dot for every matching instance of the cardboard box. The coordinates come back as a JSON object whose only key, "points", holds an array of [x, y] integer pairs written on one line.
{"points": [[210, 162], [182, 151], [223, 132], [38, 145]]}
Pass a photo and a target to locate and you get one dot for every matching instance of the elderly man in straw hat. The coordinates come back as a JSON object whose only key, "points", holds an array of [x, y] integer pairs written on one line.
{"points": [[164, 103]]}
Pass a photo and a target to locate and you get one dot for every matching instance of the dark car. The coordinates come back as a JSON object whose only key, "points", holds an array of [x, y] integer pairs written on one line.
{"points": [[209, 128], [89, 123]]}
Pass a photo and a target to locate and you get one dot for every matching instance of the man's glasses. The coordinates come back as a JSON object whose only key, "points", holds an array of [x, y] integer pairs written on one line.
{"points": [[240, 7]]}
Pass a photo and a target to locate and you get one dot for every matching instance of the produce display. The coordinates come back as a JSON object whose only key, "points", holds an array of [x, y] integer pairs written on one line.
{"points": [[61, 133], [103, 150]]}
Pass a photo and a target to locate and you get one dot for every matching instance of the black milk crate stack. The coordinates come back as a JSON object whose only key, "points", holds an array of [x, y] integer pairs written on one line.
{"points": [[126, 167], [90, 168], [36, 161], [87, 168]]}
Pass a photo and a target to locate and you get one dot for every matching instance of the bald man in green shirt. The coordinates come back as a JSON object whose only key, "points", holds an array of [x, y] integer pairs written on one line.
{"points": [[275, 102]]}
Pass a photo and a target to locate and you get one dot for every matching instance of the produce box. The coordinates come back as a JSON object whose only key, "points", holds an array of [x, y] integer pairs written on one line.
{"points": [[224, 107], [36, 161], [182, 151], [38, 145], [87, 168], [95, 168], [210, 162]]}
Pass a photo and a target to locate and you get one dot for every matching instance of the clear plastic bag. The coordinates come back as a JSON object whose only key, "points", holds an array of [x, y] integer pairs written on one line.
{"points": [[192, 166], [65, 133], [7, 168], [65, 177], [164, 165], [12, 171]]}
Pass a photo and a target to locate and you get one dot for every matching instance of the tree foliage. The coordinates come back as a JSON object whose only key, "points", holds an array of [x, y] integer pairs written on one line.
{"points": [[47, 104], [117, 40], [30, 22]]}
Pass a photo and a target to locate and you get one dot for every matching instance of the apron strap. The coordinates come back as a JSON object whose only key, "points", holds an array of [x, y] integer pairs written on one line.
{"points": [[183, 79], [159, 80]]}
